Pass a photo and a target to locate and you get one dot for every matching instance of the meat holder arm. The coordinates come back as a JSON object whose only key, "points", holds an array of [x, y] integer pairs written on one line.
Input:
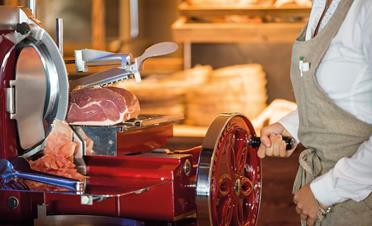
{"points": [[126, 70]]}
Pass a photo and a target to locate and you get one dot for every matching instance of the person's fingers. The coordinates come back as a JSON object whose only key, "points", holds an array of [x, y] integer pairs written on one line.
{"points": [[269, 151], [261, 151], [275, 143], [283, 151], [303, 217], [313, 215], [295, 201], [310, 221], [265, 136], [298, 210], [271, 140]]}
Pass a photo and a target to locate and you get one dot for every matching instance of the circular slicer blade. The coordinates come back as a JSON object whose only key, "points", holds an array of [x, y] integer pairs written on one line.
{"points": [[41, 90], [228, 188]]}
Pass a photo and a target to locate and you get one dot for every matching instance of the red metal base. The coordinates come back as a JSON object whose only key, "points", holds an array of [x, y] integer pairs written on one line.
{"points": [[147, 139], [147, 186]]}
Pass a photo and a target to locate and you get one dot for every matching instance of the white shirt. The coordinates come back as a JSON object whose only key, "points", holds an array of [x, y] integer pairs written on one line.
{"points": [[345, 74]]}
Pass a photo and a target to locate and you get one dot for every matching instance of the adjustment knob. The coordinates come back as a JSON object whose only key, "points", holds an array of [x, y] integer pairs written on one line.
{"points": [[23, 28]]}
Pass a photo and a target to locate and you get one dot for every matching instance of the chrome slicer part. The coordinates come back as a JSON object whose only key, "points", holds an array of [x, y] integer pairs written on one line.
{"points": [[41, 72], [126, 70], [91, 57], [102, 78]]}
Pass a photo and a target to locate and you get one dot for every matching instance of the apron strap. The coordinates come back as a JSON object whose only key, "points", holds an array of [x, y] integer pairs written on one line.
{"points": [[310, 167]]}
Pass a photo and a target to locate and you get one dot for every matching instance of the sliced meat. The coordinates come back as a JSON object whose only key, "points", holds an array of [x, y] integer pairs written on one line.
{"points": [[58, 156], [60, 136], [102, 106]]}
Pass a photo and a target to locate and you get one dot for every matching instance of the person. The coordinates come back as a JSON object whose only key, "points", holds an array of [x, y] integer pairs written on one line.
{"points": [[331, 74]]}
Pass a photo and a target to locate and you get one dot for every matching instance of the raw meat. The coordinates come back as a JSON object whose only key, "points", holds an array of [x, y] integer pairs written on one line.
{"points": [[58, 156], [102, 106], [133, 108]]}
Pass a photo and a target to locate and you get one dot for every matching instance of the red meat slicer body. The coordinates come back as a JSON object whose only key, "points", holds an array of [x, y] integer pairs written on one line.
{"points": [[8, 142], [218, 182]]}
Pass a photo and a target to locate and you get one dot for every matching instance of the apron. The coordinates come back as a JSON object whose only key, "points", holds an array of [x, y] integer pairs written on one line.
{"points": [[328, 132]]}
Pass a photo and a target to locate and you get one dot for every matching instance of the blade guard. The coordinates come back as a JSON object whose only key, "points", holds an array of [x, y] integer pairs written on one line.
{"points": [[228, 188]]}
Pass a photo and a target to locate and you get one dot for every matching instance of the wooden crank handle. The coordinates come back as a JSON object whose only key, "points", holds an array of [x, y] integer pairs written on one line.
{"points": [[255, 142]]}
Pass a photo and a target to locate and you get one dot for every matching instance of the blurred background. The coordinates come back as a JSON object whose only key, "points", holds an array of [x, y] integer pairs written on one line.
{"points": [[234, 56]]}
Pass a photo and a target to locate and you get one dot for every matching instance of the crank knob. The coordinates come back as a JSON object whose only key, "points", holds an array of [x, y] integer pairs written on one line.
{"points": [[255, 142]]}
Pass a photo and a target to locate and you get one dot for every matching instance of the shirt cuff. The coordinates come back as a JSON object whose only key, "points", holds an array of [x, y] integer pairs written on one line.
{"points": [[324, 190], [291, 122]]}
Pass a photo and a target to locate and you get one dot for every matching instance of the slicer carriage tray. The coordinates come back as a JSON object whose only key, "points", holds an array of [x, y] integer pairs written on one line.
{"points": [[148, 120], [143, 134]]}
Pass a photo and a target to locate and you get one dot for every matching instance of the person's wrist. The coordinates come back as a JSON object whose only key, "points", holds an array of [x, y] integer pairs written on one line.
{"points": [[324, 191], [323, 210]]}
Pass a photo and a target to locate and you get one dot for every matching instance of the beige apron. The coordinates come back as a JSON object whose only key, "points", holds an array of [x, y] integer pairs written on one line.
{"points": [[328, 132]]}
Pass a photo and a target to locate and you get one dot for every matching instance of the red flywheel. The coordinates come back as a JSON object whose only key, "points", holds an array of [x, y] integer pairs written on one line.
{"points": [[228, 188]]}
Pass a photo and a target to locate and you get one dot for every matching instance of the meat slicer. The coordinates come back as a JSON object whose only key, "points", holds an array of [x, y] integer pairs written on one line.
{"points": [[217, 183]]}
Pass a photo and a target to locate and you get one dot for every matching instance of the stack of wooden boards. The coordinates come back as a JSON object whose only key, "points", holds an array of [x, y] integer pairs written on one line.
{"points": [[201, 93]]}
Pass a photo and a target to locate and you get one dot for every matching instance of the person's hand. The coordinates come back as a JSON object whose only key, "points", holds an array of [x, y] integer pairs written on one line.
{"points": [[306, 205], [272, 143]]}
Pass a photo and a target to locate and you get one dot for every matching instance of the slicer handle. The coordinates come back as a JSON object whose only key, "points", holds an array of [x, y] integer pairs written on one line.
{"points": [[134, 19], [158, 49], [72, 185], [59, 35], [255, 142], [32, 7]]}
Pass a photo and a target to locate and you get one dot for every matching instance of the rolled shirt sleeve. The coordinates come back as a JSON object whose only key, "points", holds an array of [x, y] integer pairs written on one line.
{"points": [[291, 123], [351, 178]]}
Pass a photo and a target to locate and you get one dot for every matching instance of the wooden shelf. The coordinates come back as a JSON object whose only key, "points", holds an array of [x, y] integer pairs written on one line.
{"points": [[202, 24], [209, 11], [185, 32]]}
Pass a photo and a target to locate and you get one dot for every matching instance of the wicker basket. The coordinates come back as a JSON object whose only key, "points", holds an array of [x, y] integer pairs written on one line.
{"points": [[171, 107], [240, 88], [166, 94]]}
